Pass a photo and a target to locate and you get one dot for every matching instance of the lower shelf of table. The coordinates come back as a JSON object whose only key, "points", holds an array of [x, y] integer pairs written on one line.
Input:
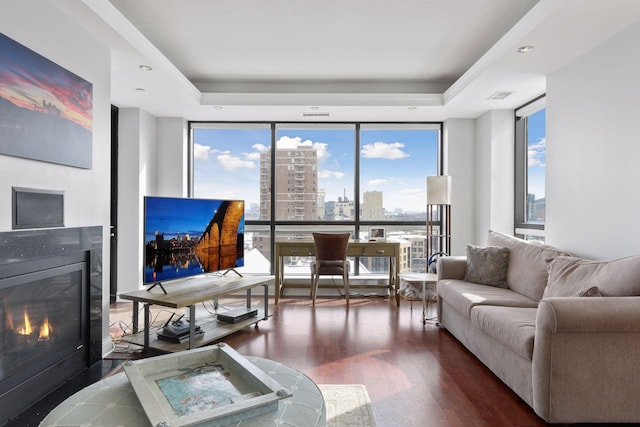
{"points": [[212, 328]]}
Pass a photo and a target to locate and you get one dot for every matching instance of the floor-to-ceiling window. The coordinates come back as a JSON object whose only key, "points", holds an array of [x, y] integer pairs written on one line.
{"points": [[296, 178]]}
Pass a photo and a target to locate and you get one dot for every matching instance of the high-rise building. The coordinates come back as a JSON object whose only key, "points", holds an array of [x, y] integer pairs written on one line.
{"points": [[344, 208], [296, 184], [372, 205]]}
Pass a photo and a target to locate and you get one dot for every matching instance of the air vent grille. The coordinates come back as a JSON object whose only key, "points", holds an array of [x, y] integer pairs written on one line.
{"points": [[316, 114], [501, 94]]}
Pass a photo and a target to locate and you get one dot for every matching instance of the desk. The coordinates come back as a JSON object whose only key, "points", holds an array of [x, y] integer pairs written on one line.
{"points": [[188, 293], [356, 248], [112, 402]]}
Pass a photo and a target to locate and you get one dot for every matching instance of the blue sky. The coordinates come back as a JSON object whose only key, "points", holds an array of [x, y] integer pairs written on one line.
{"points": [[395, 162], [536, 153]]}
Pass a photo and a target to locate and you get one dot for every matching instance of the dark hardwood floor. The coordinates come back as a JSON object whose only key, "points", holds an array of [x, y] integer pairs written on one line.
{"points": [[416, 375]]}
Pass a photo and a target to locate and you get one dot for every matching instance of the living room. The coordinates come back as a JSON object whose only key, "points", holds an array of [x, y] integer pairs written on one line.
{"points": [[585, 67]]}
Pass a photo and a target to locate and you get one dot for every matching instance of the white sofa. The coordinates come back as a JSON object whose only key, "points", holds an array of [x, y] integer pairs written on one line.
{"points": [[572, 359]]}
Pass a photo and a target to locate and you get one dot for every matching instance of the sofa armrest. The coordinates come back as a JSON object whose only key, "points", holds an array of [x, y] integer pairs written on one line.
{"points": [[585, 359], [451, 267]]}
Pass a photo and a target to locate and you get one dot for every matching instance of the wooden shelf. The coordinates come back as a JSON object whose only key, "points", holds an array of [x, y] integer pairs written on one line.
{"points": [[187, 293]]}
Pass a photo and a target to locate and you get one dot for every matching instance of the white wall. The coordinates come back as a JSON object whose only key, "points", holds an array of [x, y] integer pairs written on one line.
{"points": [[40, 27], [494, 199], [593, 147], [137, 167], [459, 155], [172, 159]]}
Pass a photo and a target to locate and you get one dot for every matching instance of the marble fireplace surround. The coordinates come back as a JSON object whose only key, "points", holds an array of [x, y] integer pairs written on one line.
{"points": [[40, 249]]}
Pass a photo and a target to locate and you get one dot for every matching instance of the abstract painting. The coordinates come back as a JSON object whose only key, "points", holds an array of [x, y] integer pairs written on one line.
{"points": [[46, 111]]}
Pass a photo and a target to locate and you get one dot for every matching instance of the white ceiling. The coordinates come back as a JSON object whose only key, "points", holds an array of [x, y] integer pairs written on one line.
{"points": [[358, 60]]}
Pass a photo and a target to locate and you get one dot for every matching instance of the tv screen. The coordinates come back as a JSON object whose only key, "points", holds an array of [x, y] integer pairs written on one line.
{"points": [[185, 237]]}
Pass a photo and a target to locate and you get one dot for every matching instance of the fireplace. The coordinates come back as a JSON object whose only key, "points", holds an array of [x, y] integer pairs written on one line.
{"points": [[51, 311]]}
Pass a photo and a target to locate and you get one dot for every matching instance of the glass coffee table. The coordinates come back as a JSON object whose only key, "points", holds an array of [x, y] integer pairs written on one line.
{"points": [[112, 402]]}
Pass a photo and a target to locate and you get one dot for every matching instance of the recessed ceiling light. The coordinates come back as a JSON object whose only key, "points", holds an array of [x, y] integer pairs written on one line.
{"points": [[218, 107], [140, 89], [525, 49], [314, 108], [412, 108], [144, 67]]}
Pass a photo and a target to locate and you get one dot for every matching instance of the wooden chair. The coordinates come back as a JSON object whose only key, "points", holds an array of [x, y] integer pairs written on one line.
{"points": [[331, 260]]}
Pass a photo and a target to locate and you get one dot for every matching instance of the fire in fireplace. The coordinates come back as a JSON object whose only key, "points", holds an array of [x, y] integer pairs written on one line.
{"points": [[48, 330], [33, 303]]}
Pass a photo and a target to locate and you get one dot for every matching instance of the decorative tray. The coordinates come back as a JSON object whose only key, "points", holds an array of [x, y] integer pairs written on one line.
{"points": [[191, 387]]}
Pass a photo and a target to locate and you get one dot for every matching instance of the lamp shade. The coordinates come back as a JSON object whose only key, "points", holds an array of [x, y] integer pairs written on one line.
{"points": [[439, 190]]}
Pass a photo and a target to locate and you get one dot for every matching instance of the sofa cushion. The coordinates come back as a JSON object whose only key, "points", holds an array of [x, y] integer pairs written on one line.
{"points": [[593, 291], [527, 271], [487, 266], [463, 296], [570, 275], [514, 327]]}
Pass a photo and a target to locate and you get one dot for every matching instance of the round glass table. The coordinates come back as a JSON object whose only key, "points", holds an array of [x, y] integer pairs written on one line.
{"points": [[112, 402]]}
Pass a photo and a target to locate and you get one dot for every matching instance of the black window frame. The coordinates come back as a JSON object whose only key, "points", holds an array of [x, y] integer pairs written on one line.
{"points": [[521, 166], [357, 223]]}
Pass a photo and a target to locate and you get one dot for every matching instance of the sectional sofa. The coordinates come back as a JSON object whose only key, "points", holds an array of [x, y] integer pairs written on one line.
{"points": [[562, 332]]}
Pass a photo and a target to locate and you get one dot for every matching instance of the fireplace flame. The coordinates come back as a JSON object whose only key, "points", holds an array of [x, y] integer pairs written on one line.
{"points": [[45, 330], [26, 328]]}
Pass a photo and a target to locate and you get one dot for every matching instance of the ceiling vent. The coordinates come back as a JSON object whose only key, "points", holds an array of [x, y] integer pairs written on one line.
{"points": [[501, 94], [316, 114]]}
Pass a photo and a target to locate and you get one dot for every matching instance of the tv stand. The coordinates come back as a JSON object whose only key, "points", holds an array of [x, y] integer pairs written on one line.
{"points": [[232, 269], [157, 284], [188, 294]]}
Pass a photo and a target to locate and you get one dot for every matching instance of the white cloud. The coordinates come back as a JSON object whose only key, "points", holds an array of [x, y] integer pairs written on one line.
{"points": [[286, 142], [383, 150], [200, 152], [413, 191], [377, 182], [252, 156], [536, 153], [231, 163], [330, 174], [261, 148]]}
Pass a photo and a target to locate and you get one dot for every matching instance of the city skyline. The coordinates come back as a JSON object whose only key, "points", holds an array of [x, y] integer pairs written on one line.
{"points": [[394, 161]]}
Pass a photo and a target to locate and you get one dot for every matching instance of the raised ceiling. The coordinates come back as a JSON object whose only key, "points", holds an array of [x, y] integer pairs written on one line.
{"points": [[379, 60]]}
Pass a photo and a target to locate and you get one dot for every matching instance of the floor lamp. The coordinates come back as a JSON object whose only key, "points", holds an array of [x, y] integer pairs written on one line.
{"points": [[438, 201]]}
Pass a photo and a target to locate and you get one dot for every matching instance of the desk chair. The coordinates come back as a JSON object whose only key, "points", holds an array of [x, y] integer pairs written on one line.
{"points": [[331, 260]]}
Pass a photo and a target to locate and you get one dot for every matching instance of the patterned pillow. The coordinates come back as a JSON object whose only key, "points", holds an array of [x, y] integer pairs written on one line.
{"points": [[487, 265]]}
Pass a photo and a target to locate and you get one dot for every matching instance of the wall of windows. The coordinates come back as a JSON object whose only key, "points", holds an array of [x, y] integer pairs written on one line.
{"points": [[530, 168], [296, 178]]}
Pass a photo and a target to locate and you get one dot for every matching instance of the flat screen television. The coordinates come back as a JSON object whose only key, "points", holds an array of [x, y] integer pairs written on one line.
{"points": [[185, 237]]}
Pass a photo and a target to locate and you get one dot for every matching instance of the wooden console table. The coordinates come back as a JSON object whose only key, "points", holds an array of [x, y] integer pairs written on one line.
{"points": [[188, 293], [356, 248]]}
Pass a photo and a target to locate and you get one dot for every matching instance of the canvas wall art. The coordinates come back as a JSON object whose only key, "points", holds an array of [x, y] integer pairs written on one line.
{"points": [[46, 111]]}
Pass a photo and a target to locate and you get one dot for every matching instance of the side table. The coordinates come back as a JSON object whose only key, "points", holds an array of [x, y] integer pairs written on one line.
{"points": [[112, 402], [428, 282]]}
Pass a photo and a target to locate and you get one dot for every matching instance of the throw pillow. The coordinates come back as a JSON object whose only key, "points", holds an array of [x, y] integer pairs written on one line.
{"points": [[568, 276], [487, 266], [527, 272], [593, 291]]}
